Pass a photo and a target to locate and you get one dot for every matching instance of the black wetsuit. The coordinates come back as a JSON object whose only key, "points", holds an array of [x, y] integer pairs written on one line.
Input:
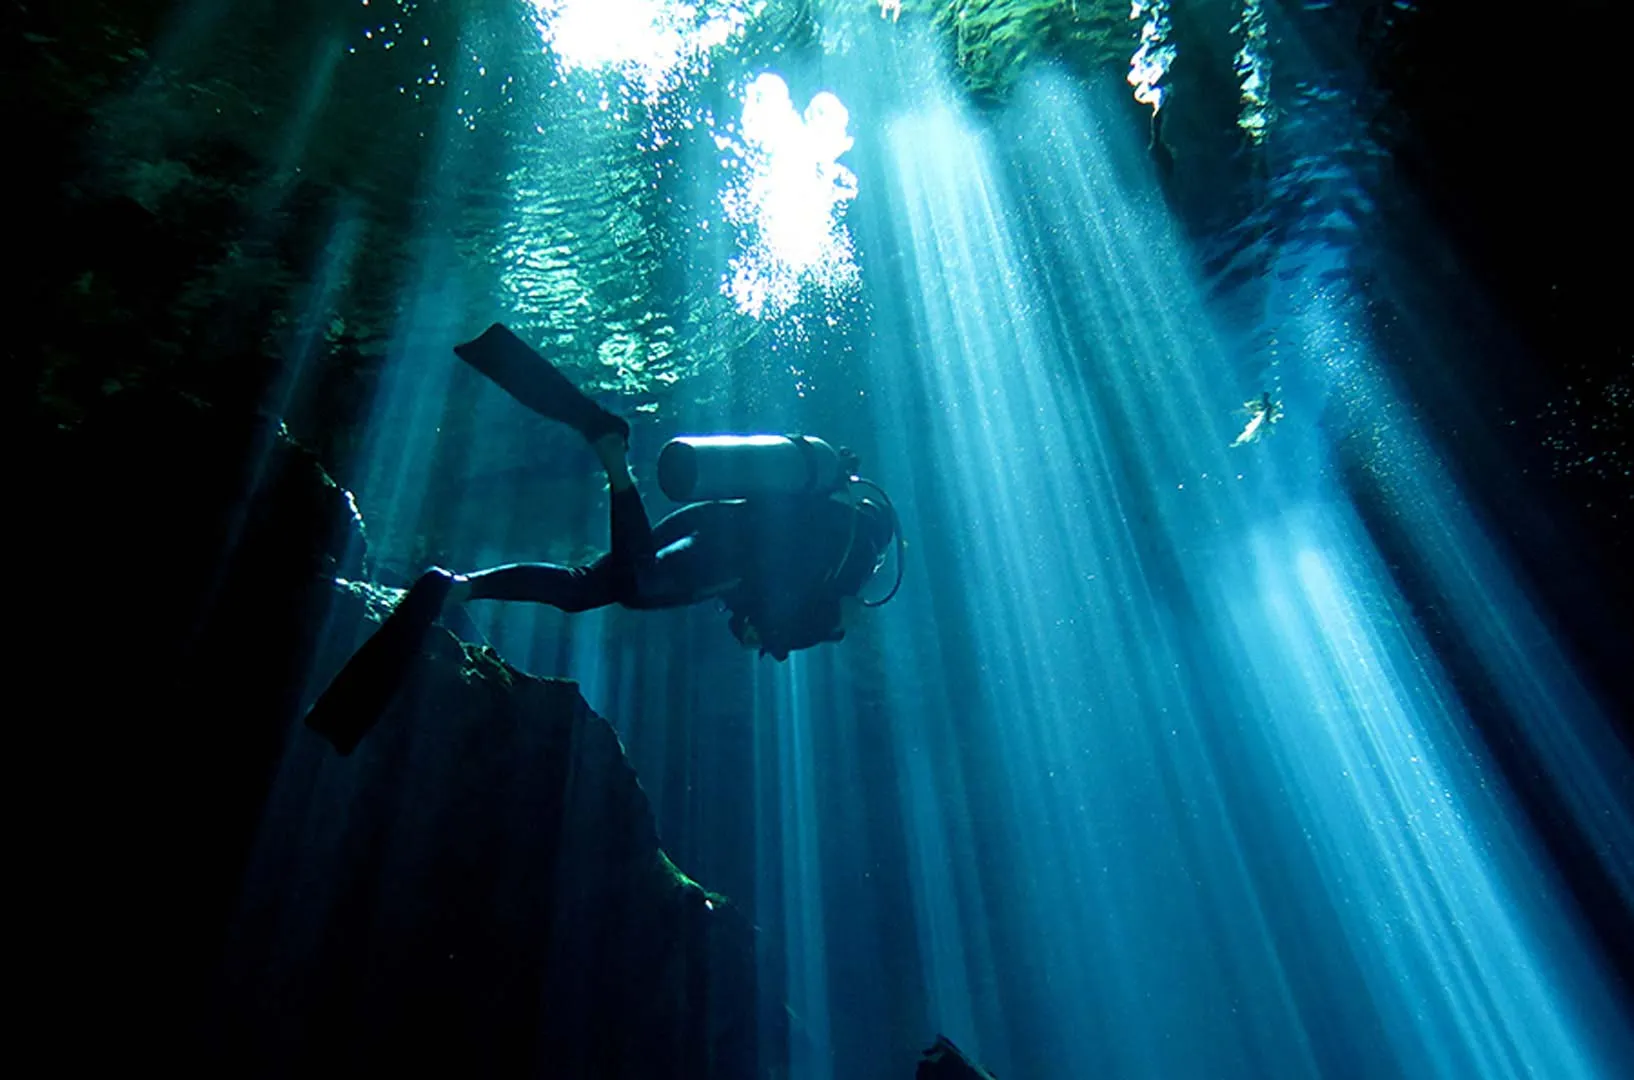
{"points": [[780, 565]]}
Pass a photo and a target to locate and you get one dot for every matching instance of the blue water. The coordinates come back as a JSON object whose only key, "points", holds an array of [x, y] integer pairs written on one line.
{"points": [[1153, 769]]}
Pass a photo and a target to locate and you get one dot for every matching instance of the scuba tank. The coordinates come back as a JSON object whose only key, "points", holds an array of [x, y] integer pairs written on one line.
{"points": [[703, 468]]}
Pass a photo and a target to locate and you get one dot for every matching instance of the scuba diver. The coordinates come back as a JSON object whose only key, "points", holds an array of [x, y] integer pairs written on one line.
{"points": [[1262, 413], [771, 528]]}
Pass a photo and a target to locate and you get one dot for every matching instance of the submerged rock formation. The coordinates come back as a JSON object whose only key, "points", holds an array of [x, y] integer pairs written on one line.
{"points": [[479, 888], [944, 1061]]}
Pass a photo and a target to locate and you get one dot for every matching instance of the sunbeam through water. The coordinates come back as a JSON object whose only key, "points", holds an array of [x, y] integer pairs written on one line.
{"points": [[729, 539]]}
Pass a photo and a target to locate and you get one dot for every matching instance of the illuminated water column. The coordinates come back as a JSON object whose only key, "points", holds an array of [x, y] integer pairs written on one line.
{"points": [[1473, 958], [433, 314], [1418, 844], [1092, 791], [794, 857], [1502, 629]]}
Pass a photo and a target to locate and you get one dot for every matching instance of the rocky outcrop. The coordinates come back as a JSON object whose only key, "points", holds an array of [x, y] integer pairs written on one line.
{"points": [[479, 888], [944, 1061]]}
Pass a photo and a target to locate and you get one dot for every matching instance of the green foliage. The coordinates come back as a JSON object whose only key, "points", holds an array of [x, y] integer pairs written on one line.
{"points": [[993, 41]]}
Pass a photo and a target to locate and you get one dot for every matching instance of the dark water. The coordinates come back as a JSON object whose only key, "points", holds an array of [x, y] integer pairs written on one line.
{"points": [[1301, 756]]}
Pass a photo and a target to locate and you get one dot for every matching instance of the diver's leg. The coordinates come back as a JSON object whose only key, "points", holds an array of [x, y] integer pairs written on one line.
{"points": [[701, 554], [689, 571], [577, 588], [632, 553], [632, 541], [699, 559], [570, 588]]}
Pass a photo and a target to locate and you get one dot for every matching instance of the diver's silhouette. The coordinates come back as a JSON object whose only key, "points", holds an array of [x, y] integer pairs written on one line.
{"points": [[772, 528]]}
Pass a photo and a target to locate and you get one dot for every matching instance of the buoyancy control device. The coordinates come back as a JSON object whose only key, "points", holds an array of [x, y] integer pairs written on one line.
{"points": [[700, 468]]}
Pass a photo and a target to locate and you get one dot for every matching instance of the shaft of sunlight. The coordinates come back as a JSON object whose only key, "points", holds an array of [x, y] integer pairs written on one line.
{"points": [[1473, 943], [1074, 654], [807, 988], [1139, 687]]}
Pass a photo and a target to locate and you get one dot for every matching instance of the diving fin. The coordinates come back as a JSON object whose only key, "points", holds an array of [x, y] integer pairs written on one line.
{"points": [[535, 382], [365, 687]]}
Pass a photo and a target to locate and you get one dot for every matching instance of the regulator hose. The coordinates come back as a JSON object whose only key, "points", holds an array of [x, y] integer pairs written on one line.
{"points": [[896, 533]]}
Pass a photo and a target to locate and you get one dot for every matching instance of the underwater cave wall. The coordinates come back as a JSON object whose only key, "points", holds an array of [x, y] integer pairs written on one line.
{"points": [[479, 887]]}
